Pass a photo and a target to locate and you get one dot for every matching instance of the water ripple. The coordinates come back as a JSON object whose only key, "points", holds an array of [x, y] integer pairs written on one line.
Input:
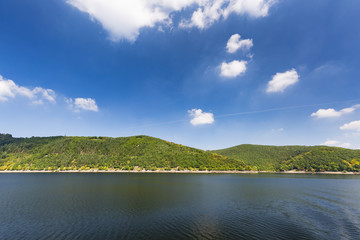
{"points": [[130, 206]]}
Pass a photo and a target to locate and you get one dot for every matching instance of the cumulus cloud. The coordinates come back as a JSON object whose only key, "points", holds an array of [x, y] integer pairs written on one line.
{"points": [[207, 13], [199, 117], [354, 125], [9, 89], [234, 44], [281, 81], [87, 104], [233, 69], [332, 113], [254, 8], [210, 11], [336, 144], [123, 19]]}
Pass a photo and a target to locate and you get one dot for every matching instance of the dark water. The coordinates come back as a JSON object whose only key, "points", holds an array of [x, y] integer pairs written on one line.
{"points": [[184, 206]]}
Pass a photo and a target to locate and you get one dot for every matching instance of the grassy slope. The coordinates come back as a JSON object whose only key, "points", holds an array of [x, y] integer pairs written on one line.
{"points": [[313, 158], [104, 152]]}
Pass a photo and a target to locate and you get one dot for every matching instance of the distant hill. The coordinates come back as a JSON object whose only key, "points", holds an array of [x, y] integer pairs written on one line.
{"points": [[73, 153], [308, 158]]}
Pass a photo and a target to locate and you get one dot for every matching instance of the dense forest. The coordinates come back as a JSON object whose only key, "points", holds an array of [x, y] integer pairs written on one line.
{"points": [[143, 152], [305, 158], [103, 153]]}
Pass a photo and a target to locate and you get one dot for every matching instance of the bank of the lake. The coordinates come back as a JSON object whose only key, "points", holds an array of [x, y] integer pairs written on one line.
{"points": [[179, 172]]}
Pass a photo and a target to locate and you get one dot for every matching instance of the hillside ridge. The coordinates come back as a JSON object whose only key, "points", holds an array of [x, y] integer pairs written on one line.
{"points": [[295, 157], [126, 153], [150, 153]]}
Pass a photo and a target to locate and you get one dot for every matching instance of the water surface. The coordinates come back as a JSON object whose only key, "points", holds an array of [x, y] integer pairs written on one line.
{"points": [[178, 206]]}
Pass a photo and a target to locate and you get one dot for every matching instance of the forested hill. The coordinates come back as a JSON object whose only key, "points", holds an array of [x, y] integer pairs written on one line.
{"points": [[308, 158], [127, 153], [143, 152]]}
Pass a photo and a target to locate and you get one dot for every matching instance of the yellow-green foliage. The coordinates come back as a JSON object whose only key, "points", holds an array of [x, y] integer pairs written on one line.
{"points": [[313, 158], [127, 153], [261, 156], [81, 153]]}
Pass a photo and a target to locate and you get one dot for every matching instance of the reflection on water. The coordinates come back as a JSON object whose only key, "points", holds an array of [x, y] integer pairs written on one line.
{"points": [[184, 206]]}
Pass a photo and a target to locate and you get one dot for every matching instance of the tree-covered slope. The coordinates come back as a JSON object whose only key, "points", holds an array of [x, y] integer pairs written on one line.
{"points": [[67, 153], [70, 153], [323, 158], [308, 158], [262, 156]]}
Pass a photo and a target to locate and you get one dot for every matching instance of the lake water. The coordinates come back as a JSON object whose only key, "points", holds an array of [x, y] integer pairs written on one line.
{"points": [[178, 206]]}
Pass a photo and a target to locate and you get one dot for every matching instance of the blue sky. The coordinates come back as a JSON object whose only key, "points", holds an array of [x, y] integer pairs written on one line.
{"points": [[207, 74]]}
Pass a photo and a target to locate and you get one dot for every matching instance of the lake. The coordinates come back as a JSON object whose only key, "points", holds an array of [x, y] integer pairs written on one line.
{"points": [[178, 206]]}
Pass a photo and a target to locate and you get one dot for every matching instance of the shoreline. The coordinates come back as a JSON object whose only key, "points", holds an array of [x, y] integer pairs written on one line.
{"points": [[178, 172]]}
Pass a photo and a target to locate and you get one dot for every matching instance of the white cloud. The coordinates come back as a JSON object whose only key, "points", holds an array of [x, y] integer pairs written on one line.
{"points": [[281, 81], [233, 69], [9, 89], [277, 130], [210, 11], [336, 144], [87, 104], [254, 8], [207, 13], [123, 19], [46, 94], [330, 143], [234, 43], [345, 145], [199, 117], [332, 113], [354, 125]]}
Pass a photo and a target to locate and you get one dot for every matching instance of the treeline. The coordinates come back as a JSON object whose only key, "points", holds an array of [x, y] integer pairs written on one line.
{"points": [[304, 158], [126, 153]]}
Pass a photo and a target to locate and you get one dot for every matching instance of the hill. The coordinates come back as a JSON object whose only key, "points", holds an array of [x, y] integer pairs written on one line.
{"points": [[308, 158], [143, 152], [72, 153]]}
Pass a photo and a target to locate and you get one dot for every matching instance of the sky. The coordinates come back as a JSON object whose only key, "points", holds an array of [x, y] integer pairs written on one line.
{"points": [[208, 74]]}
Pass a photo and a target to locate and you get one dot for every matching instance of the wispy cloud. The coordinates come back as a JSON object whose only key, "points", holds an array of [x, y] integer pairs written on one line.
{"points": [[9, 90], [354, 125], [332, 113], [277, 130], [336, 143]]}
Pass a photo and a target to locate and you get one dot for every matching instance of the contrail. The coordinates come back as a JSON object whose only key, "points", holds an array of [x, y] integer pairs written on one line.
{"points": [[246, 113], [283, 108]]}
